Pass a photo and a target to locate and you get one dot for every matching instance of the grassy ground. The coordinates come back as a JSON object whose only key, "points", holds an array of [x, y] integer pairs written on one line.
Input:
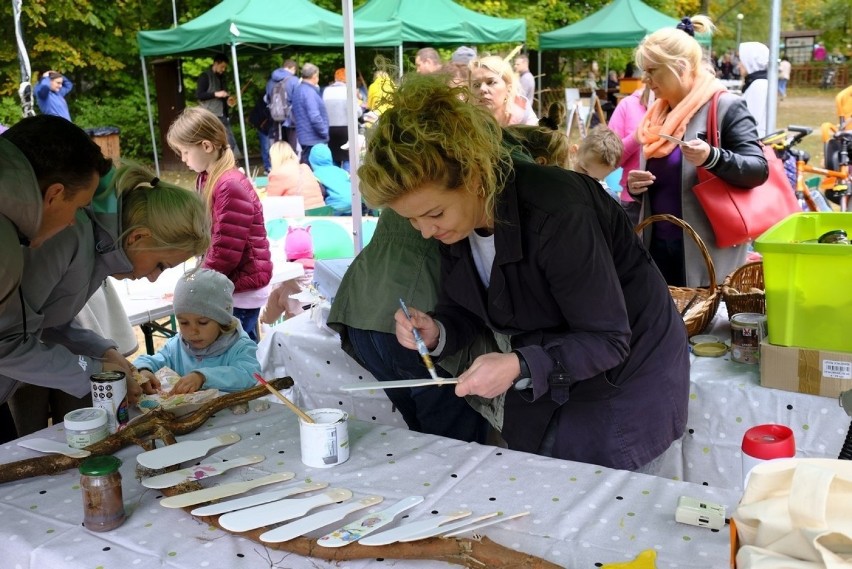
{"points": [[808, 107]]}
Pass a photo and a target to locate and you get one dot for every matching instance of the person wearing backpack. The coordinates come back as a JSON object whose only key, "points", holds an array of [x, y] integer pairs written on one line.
{"points": [[281, 104], [309, 112]]}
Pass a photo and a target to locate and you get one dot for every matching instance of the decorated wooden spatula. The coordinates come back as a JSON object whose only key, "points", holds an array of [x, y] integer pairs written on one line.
{"points": [[183, 451], [407, 530], [367, 524], [199, 472], [318, 520]]}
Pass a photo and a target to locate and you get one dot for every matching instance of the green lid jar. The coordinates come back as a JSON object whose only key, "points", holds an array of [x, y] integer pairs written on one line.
{"points": [[103, 502], [100, 465]]}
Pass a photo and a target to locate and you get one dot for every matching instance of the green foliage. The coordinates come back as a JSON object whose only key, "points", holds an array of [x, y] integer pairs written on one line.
{"points": [[128, 113], [10, 110]]}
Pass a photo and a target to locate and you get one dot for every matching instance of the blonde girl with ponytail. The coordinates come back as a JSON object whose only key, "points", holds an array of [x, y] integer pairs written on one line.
{"points": [[239, 248]]}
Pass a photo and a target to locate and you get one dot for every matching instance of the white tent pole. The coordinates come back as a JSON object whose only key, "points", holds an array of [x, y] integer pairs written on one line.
{"points": [[541, 110], [150, 115], [772, 75], [352, 123], [399, 60], [240, 106]]}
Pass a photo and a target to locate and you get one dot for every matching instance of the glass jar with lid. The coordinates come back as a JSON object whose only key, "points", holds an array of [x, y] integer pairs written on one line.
{"points": [[103, 501]]}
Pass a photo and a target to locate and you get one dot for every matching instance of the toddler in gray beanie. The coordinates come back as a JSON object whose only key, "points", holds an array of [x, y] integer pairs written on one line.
{"points": [[207, 293]]}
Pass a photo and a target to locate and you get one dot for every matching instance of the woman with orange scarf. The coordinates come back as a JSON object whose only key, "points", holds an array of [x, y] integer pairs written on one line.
{"points": [[674, 68]]}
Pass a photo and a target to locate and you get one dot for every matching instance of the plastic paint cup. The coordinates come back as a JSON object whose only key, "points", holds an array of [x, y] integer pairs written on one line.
{"points": [[766, 442], [325, 443]]}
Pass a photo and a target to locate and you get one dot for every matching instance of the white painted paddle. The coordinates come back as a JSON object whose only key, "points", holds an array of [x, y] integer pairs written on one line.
{"points": [[181, 452], [429, 382], [318, 520], [257, 499], [280, 511], [367, 524], [490, 522], [199, 472], [399, 533], [448, 527], [53, 447], [223, 491]]}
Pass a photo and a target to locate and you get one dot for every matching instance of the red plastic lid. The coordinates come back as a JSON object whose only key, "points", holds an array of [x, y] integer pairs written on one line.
{"points": [[769, 441]]}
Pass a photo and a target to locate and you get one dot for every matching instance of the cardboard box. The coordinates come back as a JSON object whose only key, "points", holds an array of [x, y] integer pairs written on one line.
{"points": [[816, 372], [327, 276]]}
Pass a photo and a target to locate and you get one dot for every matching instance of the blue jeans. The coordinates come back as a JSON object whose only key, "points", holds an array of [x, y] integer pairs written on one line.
{"points": [[248, 318], [433, 410], [264, 150]]}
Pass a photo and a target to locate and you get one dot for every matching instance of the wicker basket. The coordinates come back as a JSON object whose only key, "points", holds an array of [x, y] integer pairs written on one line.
{"points": [[737, 290], [697, 306]]}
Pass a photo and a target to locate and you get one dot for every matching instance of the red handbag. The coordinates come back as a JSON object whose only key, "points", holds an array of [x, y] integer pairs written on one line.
{"points": [[736, 214]]}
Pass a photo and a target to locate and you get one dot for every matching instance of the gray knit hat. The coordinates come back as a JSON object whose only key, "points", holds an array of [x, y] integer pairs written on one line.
{"points": [[205, 292]]}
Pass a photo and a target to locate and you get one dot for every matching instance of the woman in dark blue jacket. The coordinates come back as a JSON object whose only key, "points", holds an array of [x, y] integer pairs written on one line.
{"points": [[599, 371]]}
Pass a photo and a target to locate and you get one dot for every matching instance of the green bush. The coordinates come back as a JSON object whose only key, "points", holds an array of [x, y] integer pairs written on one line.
{"points": [[10, 110], [129, 113]]}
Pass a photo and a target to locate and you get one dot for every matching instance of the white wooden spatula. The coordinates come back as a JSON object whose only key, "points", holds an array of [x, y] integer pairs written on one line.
{"points": [[183, 451]]}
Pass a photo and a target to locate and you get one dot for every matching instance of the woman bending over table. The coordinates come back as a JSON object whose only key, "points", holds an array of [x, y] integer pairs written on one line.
{"points": [[600, 369], [137, 228]]}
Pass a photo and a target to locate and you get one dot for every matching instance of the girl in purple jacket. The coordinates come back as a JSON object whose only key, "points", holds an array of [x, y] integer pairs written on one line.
{"points": [[239, 248]]}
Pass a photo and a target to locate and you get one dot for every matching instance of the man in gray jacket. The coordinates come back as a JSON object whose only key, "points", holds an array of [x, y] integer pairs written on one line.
{"points": [[51, 169]]}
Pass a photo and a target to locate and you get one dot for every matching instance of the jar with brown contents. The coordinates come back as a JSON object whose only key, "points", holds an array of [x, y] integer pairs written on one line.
{"points": [[103, 502]]}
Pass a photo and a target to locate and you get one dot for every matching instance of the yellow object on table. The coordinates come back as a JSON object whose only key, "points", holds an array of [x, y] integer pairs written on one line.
{"points": [[645, 560]]}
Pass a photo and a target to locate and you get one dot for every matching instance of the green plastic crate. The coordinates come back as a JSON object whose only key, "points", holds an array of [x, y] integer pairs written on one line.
{"points": [[808, 299]]}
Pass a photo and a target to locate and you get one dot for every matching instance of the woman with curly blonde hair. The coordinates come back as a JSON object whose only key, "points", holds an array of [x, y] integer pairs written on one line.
{"points": [[495, 86], [545, 256]]}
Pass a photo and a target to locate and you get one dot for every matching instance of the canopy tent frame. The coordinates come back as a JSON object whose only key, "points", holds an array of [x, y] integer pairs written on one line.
{"points": [[221, 26], [621, 23]]}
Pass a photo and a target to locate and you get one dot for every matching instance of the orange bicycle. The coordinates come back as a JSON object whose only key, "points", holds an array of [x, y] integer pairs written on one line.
{"points": [[836, 164]]}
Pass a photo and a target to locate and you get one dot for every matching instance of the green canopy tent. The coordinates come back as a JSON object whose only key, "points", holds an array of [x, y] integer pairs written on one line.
{"points": [[622, 23], [444, 22], [262, 25]]}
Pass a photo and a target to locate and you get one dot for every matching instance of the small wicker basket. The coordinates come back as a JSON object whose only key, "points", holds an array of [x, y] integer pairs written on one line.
{"points": [[744, 290], [697, 306]]}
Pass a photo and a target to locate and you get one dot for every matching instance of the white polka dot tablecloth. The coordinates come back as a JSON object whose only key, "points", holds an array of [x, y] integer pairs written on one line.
{"points": [[581, 516], [312, 356], [725, 400]]}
